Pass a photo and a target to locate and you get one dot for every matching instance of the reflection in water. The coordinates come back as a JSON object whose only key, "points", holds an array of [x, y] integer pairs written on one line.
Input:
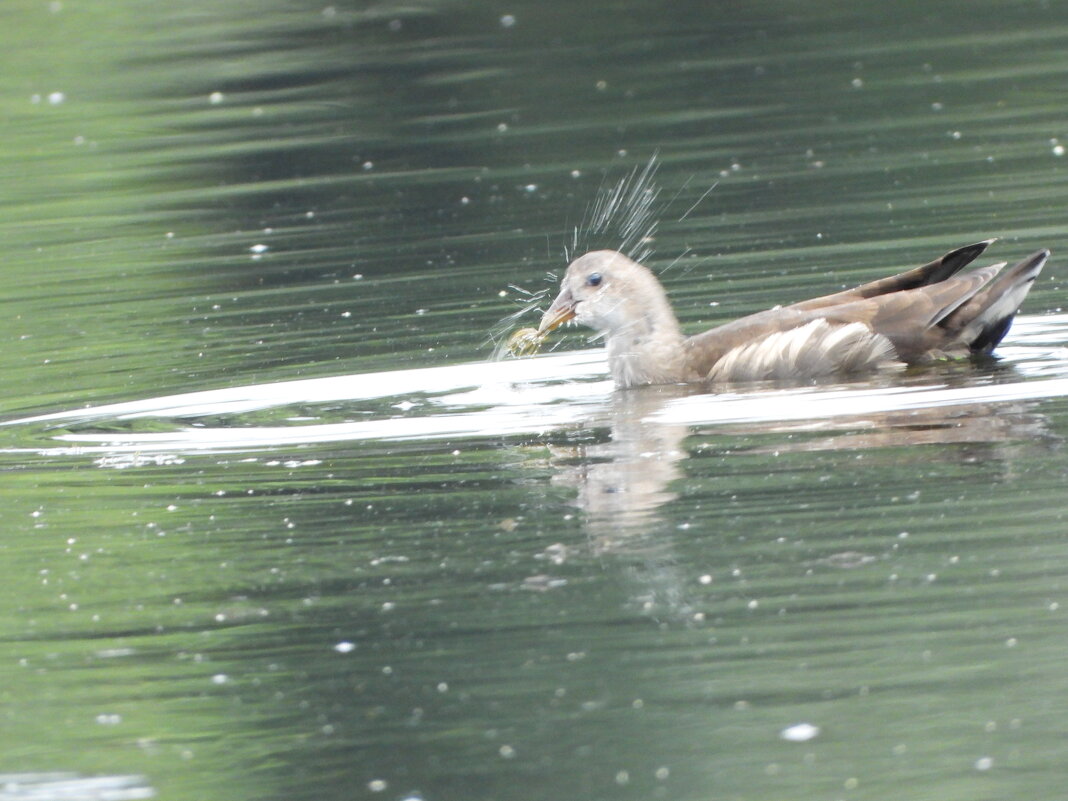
{"points": [[980, 424], [622, 482], [623, 485]]}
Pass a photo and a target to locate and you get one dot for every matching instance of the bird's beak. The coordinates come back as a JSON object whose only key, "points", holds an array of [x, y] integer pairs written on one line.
{"points": [[562, 310]]}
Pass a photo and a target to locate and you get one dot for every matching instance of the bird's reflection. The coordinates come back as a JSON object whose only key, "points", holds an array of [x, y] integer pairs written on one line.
{"points": [[623, 484], [994, 428]]}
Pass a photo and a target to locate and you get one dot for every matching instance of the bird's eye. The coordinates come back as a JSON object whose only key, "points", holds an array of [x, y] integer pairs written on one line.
{"points": [[593, 279]]}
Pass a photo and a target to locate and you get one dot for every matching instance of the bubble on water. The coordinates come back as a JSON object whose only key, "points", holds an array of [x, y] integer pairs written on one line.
{"points": [[800, 732]]}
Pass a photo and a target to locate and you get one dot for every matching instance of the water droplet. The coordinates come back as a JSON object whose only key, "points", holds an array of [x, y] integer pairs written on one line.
{"points": [[800, 732]]}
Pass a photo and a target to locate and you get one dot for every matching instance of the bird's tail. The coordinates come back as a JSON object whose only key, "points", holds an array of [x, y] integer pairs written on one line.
{"points": [[984, 319]]}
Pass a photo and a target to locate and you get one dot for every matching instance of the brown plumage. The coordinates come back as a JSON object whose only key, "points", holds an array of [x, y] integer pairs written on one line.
{"points": [[926, 313]]}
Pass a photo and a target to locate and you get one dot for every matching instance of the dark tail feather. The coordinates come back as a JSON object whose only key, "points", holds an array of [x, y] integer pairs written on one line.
{"points": [[950, 264], [933, 273], [984, 320]]}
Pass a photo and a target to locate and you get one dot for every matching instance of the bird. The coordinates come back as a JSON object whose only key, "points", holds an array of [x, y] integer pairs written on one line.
{"points": [[922, 315]]}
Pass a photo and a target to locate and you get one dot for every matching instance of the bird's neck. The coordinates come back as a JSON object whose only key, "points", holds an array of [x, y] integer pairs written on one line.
{"points": [[648, 349]]}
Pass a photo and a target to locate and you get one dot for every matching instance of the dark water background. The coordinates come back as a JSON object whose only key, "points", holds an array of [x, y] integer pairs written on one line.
{"points": [[372, 563]]}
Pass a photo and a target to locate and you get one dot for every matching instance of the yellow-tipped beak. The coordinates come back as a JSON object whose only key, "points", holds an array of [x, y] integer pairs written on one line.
{"points": [[562, 310]]}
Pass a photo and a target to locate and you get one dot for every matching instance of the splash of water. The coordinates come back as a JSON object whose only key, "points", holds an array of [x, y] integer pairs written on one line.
{"points": [[528, 300], [625, 214], [624, 217]]}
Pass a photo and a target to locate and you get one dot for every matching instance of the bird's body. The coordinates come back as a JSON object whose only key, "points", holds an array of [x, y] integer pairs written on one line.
{"points": [[926, 313]]}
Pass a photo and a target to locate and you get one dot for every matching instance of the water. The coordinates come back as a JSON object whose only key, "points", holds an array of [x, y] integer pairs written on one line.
{"points": [[276, 525]]}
